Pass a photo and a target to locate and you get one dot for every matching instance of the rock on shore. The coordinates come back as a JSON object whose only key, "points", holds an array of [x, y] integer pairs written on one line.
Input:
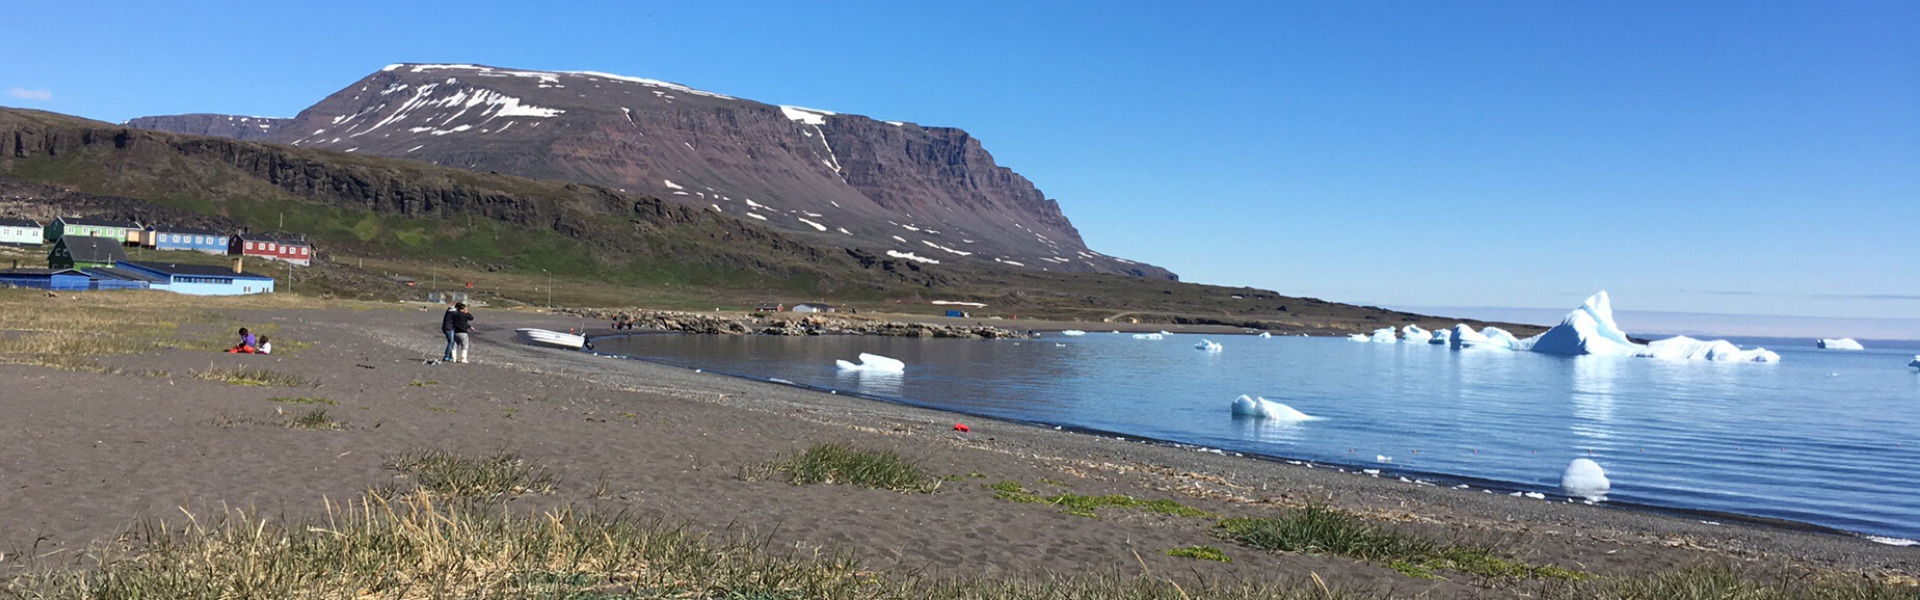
{"points": [[683, 322]]}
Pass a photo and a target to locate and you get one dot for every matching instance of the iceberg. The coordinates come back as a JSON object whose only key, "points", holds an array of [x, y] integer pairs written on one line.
{"points": [[1916, 361], [1208, 346], [1587, 330], [873, 363], [1358, 337], [1840, 344], [1265, 335], [1686, 348], [1267, 409], [1586, 479], [1383, 335], [1073, 333], [1413, 334], [1148, 336], [1441, 337], [1490, 337]]}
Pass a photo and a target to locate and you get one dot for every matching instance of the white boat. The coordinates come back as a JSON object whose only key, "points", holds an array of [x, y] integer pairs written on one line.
{"points": [[552, 338]]}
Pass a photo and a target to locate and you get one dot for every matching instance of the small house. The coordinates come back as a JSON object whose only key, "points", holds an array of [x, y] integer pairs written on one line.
{"points": [[181, 238], [813, 307], [770, 307], [76, 251], [201, 280], [119, 231], [276, 247], [44, 279], [21, 232]]}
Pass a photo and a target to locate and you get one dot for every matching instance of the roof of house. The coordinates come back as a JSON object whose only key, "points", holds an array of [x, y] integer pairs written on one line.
{"points": [[192, 270], [33, 271], [814, 305], [185, 230], [99, 222], [86, 248], [12, 222], [119, 273]]}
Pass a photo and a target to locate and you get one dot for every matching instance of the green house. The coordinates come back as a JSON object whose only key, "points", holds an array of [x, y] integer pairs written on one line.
{"points": [[119, 231], [76, 251]]}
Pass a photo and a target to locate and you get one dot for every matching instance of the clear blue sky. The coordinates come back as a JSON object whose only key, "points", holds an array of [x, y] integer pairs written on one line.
{"points": [[1728, 157]]}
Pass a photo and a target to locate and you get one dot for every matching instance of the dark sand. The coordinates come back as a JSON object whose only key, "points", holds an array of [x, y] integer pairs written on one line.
{"points": [[84, 457]]}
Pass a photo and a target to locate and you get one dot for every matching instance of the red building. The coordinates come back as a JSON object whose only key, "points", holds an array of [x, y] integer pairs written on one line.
{"points": [[271, 246]]}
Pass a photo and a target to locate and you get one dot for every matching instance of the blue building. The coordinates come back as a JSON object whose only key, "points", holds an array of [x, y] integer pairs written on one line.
{"points": [[181, 238], [45, 279], [200, 280]]}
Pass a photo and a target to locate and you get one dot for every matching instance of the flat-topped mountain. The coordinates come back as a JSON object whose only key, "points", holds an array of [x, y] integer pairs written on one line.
{"points": [[928, 194]]}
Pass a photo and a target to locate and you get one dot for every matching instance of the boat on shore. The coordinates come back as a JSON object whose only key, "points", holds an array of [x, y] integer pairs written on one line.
{"points": [[555, 339]]}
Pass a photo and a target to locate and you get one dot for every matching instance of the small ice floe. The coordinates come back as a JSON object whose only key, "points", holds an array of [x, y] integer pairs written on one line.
{"points": [[1441, 337], [1073, 333], [1585, 478], [1536, 495], [1840, 344], [1148, 336], [1249, 406], [1373, 472], [1892, 541], [1383, 335], [1264, 335], [1059, 345], [1358, 337], [1916, 361], [1208, 346], [1383, 458], [873, 363], [1413, 334], [1461, 486]]}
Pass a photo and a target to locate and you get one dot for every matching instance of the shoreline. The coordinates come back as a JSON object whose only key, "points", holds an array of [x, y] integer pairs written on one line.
{"points": [[1411, 477]]}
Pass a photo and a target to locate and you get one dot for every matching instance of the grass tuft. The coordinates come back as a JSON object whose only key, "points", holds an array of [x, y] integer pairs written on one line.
{"points": [[1088, 506], [1199, 553], [458, 476], [254, 376], [314, 419], [1318, 529], [1720, 582], [833, 462], [291, 400]]}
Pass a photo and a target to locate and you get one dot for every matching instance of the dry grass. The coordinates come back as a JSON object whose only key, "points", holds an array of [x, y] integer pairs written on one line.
{"points": [[254, 376], [453, 475], [68, 330]]}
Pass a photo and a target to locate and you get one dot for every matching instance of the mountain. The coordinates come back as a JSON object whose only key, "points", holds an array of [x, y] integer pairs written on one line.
{"points": [[226, 126], [926, 194]]}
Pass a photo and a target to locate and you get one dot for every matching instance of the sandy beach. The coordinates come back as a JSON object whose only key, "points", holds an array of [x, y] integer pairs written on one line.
{"points": [[90, 455]]}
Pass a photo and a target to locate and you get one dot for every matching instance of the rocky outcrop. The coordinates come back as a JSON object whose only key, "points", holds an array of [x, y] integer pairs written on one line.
{"points": [[226, 126], [681, 322], [842, 180]]}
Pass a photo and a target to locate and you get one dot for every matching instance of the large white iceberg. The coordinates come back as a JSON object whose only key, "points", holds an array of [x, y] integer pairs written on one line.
{"points": [[1383, 335], [1590, 330], [1268, 409], [1208, 346], [1841, 344], [873, 363], [1587, 330], [1491, 337], [1413, 334], [1586, 479]]}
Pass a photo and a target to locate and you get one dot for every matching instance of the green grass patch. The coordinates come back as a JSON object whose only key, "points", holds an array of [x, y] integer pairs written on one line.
{"points": [[1319, 529], [303, 400], [459, 476], [254, 376], [419, 383], [1199, 553], [833, 462], [314, 419], [1089, 506], [1721, 582]]}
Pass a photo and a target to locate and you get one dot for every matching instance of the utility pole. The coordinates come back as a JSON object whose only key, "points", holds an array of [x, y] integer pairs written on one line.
{"points": [[549, 288]]}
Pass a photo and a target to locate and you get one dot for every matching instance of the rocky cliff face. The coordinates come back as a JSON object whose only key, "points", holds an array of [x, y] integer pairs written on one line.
{"points": [[226, 126], [913, 193]]}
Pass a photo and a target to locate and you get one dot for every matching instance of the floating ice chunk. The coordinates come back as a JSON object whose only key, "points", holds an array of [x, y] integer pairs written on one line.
{"points": [[1892, 541], [1148, 336], [1358, 337], [1383, 335], [1536, 495], [1686, 348], [1841, 344], [1441, 337], [1916, 361], [873, 363], [1413, 334], [1264, 335], [1208, 346], [1073, 333], [1587, 330], [1585, 478], [1383, 458], [1263, 408], [1490, 337]]}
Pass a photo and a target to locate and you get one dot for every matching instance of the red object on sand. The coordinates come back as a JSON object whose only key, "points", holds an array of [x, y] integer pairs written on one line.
{"points": [[962, 427]]}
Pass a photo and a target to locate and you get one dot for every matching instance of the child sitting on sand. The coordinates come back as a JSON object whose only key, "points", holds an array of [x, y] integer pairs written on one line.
{"points": [[266, 345], [247, 345]]}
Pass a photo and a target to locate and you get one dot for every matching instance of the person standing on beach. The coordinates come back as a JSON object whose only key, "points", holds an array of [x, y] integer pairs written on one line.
{"points": [[462, 331], [446, 329]]}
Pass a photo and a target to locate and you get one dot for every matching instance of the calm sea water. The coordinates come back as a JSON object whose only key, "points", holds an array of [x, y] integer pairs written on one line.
{"points": [[1823, 437]]}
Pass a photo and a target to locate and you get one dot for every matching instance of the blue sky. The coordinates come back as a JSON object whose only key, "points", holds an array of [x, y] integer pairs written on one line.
{"points": [[1721, 157]]}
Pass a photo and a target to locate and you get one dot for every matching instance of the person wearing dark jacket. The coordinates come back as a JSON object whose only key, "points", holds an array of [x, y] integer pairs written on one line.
{"points": [[446, 329], [462, 331]]}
